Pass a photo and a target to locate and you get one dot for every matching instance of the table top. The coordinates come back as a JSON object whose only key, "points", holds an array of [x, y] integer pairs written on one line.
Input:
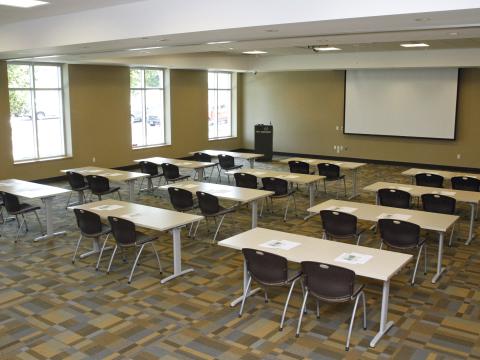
{"points": [[382, 266], [188, 164], [446, 174], [30, 190], [226, 192], [414, 190], [370, 212], [144, 216], [110, 174], [239, 155], [290, 177], [347, 165]]}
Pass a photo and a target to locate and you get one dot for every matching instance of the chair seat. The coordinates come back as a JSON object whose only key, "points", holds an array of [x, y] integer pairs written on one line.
{"points": [[358, 233], [222, 211], [232, 167], [188, 208], [155, 176], [275, 196], [292, 275], [181, 177], [334, 178], [105, 230], [142, 238], [83, 188], [358, 288], [420, 243], [109, 191], [24, 208]]}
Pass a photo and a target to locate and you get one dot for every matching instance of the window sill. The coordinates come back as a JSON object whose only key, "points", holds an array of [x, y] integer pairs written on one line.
{"points": [[222, 138], [149, 147], [21, 162]]}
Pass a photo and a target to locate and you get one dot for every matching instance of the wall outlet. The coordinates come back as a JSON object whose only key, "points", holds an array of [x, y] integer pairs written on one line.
{"points": [[459, 156], [93, 159]]}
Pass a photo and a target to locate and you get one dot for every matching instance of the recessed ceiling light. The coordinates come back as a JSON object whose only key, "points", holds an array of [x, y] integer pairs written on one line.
{"points": [[325, 48], [414, 45], [254, 52], [146, 48], [219, 42], [46, 57], [23, 3]]}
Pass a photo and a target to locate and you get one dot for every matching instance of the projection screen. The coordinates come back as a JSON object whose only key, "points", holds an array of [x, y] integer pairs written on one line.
{"points": [[418, 103]]}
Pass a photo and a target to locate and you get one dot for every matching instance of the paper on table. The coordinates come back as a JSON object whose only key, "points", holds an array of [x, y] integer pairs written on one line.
{"points": [[402, 217], [344, 209], [259, 173], [338, 163], [184, 163], [132, 215], [107, 207], [112, 174], [280, 244], [353, 258], [290, 176], [309, 160], [190, 186]]}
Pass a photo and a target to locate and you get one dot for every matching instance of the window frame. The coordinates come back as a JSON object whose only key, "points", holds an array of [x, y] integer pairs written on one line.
{"points": [[217, 89]]}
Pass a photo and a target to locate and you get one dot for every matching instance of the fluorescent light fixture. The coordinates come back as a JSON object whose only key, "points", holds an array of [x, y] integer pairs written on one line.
{"points": [[254, 52], [219, 42], [146, 48], [23, 3], [325, 48], [414, 45], [46, 57]]}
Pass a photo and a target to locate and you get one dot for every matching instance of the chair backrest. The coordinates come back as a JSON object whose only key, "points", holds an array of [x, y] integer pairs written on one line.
{"points": [[226, 161], [394, 198], [330, 171], [299, 167], [439, 203], [338, 223], [208, 203], [149, 168], [76, 180], [10, 202], [278, 186], [170, 171], [466, 183], [88, 222], [98, 184], [427, 179], [245, 180], [181, 199], [202, 157], [328, 282], [266, 268], [123, 230], [398, 233]]}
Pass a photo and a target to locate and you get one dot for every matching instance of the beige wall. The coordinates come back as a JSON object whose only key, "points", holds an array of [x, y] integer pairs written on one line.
{"points": [[306, 106], [100, 120]]}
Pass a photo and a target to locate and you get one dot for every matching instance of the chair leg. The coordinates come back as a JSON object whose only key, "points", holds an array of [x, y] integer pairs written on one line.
{"points": [[19, 229], [68, 201], [265, 295], [119, 196], [286, 209], [111, 258], [245, 292], [416, 265], [451, 236], [318, 309], [39, 223], [364, 310], [76, 248], [345, 187], [218, 228], [305, 297], [158, 258], [286, 303], [352, 320], [196, 228], [425, 257], [101, 252], [261, 208], [135, 263], [190, 230], [325, 186], [358, 238]]}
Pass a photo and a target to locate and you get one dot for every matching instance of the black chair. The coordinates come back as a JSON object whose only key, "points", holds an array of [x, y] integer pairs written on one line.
{"points": [[245, 180], [340, 225], [403, 235], [227, 163], [331, 284], [78, 184], [268, 270], [100, 185], [182, 200], [210, 208], [147, 167], [427, 179], [465, 183], [203, 157], [90, 227], [300, 167], [172, 173], [126, 236], [15, 208], [440, 204], [394, 198], [281, 190], [331, 173], [2, 219]]}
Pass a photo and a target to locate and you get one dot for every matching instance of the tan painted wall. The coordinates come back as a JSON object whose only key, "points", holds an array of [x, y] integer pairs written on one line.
{"points": [[100, 118], [305, 107]]}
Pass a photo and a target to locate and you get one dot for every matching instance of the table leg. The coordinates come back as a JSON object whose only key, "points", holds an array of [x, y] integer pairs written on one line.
{"points": [[49, 215], [245, 282], [131, 190], [254, 213], [354, 185], [471, 235], [177, 257], [440, 269], [385, 325], [95, 249], [252, 163]]}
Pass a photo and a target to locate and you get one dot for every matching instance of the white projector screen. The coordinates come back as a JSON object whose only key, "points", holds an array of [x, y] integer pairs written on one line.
{"points": [[419, 103]]}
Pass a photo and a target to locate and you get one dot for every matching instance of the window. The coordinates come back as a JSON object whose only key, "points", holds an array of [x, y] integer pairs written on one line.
{"points": [[147, 109], [36, 111], [219, 105]]}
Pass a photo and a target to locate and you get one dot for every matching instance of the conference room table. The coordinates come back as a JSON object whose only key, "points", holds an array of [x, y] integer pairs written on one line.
{"points": [[197, 166], [344, 165], [299, 179], [381, 266], [112, 175], [226, 192], [447, 175], [471, 198], [438, 223], [250, 157], [147, 217], [31, 190]]}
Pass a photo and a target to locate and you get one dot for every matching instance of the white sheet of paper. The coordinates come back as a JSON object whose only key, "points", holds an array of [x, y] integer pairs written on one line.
{"points": [[184, 163], [309, 161], [190, 186], [402, 217], [132, 215], [290, 176], [448, 193], [280, 244], [112, 174], [344, 209], [338, 163], [353, 258], [107, 207]]}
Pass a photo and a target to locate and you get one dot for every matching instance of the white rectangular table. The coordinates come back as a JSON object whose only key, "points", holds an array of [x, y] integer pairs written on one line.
{"points": [[147, 217], [382, 266], [300, 179], [344, 165], [31, 190], [112, 175], [471, 198], [439, 223], [226, 192], [198, 166], [250, 157], [447, 175]]}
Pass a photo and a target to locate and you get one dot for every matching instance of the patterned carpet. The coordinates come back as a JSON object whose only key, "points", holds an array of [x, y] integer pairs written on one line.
{"points": [[53, 309]]}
